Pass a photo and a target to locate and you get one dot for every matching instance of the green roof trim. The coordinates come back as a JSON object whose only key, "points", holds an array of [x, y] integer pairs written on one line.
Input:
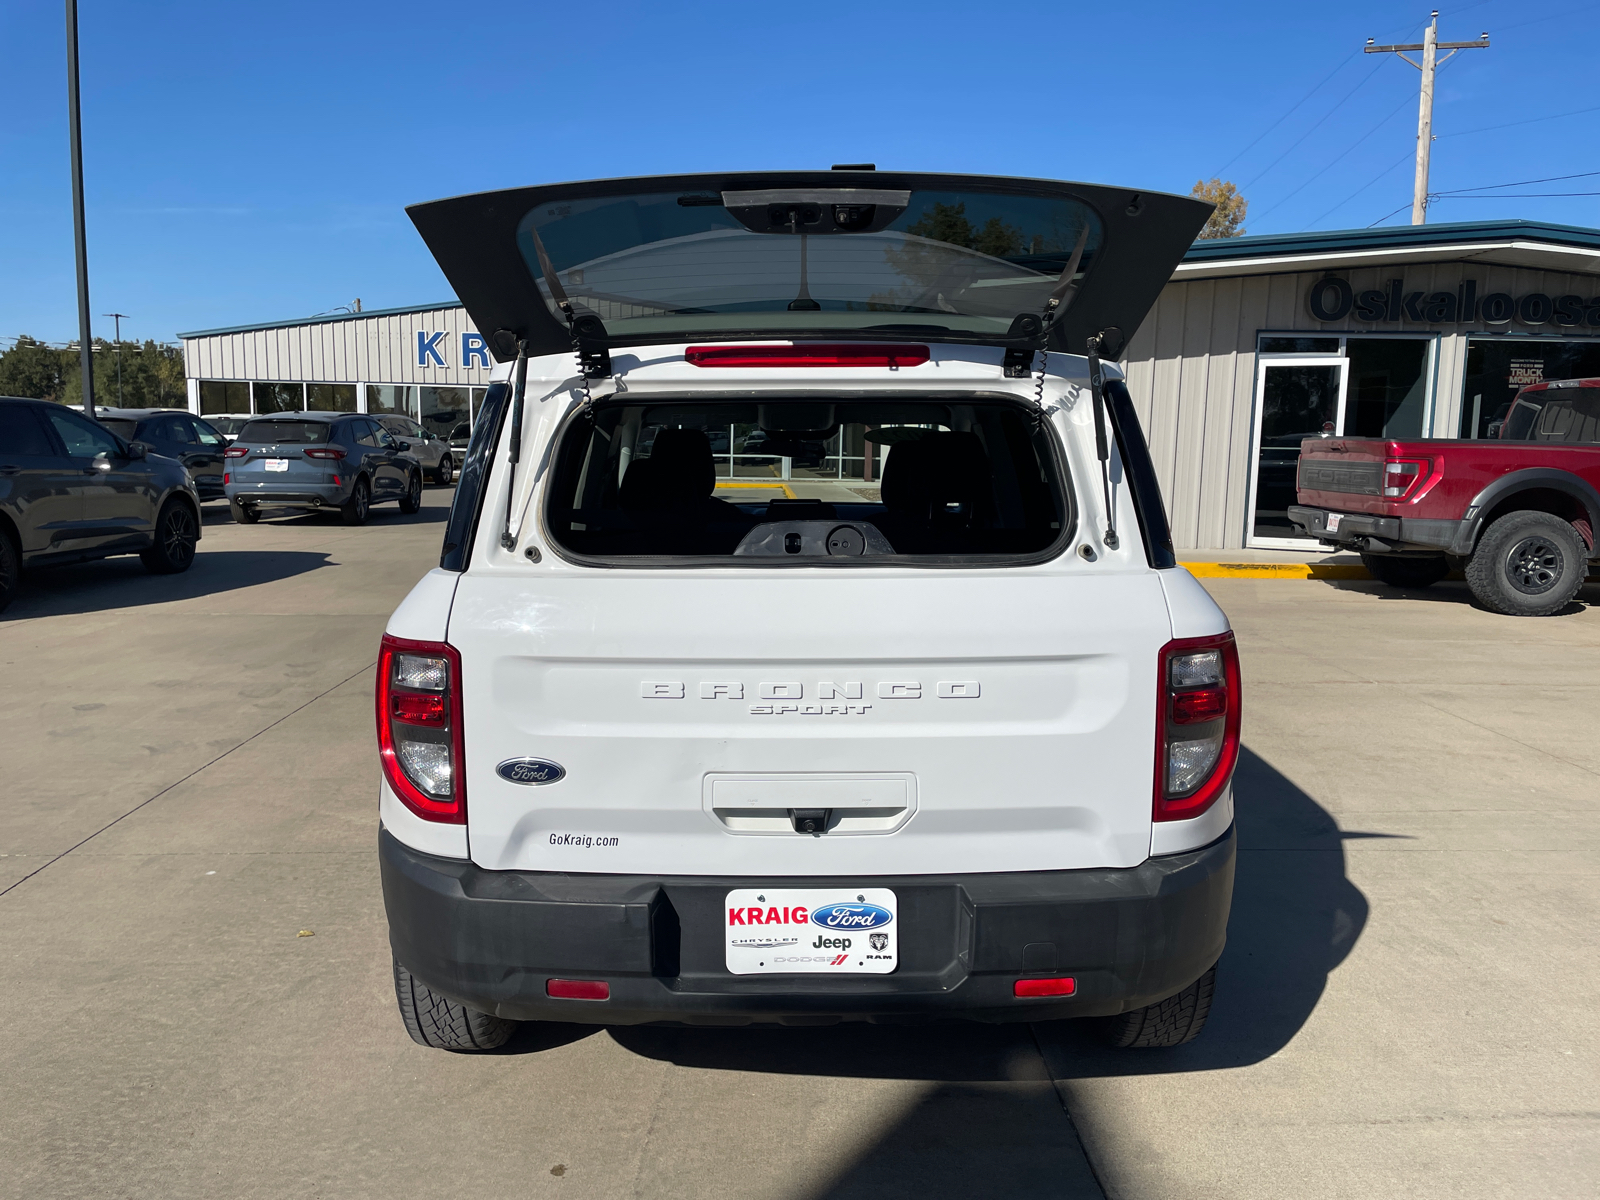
{"points": [[325, 319], [1276, 245]]}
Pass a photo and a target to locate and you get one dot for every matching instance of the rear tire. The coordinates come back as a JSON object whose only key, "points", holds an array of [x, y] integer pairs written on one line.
{"points": [[244, 514], [1402, 572], [446, 471], [177, 531], [432, 1020], [1528, 564], [1170, 1022], [10, 569], [354, 510], [411, 501]]}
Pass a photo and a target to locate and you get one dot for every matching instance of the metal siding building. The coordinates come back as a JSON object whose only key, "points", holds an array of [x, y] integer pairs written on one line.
{"points": [[1232, 367], [1204, 367]]}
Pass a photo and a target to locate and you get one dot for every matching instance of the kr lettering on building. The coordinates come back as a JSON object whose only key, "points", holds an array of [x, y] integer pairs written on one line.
{"points": [[432, 347], [1333, 299]]}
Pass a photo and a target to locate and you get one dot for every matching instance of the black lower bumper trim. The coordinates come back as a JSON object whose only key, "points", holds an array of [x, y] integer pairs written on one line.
{"points": [[492, 939], [1363, 531]]}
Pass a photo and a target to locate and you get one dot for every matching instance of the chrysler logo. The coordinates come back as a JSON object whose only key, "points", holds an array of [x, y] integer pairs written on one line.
{"points": [[530, 770]]}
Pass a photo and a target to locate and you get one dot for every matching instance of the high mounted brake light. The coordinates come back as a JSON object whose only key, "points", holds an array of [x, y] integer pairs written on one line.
{"points": [[844, 354], [1197, 724], [420, 743]]}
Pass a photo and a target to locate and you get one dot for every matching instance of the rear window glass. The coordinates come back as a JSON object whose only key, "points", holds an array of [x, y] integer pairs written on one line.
{"points": [[809, 258], [123, 429], [1555, 415], [807, 480], [285, 432]]}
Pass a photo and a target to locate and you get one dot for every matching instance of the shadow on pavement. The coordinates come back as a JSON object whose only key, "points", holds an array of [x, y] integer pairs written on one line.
{"points": [[981, 1127], [123, 582], [1453, 591]]}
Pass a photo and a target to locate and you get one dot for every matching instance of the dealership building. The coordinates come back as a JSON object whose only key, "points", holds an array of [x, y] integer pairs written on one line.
{"points": [[1255, 344]]}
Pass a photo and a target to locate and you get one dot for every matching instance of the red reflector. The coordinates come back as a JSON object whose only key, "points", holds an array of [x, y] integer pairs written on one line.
{"points": [[844, 354], [225, 478], [419, 708], [1025, 989], [578, 989], [1207, 704]]}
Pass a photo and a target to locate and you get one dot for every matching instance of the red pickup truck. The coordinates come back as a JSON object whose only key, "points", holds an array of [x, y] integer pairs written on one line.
{"points": [[1517, 513]]}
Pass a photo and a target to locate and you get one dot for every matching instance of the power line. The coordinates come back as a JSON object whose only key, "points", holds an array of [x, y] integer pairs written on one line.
{"points": [[1508, 195], [1342, 64], [1530, 121], [1406, 157], [1404, 100], [1295, 145], [1519, 183]]}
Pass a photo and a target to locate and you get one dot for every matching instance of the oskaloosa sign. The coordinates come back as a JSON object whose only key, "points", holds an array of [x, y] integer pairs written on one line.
{"points": [[1332, 299]]}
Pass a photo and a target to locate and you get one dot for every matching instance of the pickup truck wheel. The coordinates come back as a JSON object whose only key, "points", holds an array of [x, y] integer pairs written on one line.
{"points": [[1528, 564], [1170, 1022], [1401, 572], [176, 533], [433, 1020]]}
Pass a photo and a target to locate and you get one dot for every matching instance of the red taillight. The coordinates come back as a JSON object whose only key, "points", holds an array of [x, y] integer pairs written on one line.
{"points": [[420, 743], [1401, 477], [844, 354], [235, 452], [418, 708], [1197, 724], [1026, 989], [578, 989], [326, 452]]}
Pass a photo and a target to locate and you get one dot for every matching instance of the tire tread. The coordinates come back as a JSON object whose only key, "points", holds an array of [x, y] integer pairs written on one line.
{"points": [[1166, 1023], [444, 1024]]}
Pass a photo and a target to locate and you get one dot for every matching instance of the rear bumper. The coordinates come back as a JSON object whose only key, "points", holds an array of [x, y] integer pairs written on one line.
{"points": [[1364, 531], [306, 495], [492, 939]]}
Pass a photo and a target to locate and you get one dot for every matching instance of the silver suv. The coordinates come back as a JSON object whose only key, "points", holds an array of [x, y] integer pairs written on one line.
{"points": [[343, 461]]}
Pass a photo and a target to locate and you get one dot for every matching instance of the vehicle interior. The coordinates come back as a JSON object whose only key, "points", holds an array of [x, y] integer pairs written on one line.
{"points": [[804, 480]]}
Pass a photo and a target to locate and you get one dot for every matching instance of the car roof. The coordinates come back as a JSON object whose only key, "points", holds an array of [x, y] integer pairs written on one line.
{"points": [[302, 416], [1562, 383], [138, 414]]}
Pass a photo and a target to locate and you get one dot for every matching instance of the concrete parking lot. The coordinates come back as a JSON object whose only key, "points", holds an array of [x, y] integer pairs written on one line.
{"points": [[196, 958]]}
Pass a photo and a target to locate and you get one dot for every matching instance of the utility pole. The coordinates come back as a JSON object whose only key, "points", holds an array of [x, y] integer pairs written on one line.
{"points": [[80, 239], [1430, 46], [119, 318]]}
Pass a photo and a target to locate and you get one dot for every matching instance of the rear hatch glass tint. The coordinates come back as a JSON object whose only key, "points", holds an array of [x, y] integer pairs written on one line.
{"points": [[285, 433], [122, 428], [808, 482]]}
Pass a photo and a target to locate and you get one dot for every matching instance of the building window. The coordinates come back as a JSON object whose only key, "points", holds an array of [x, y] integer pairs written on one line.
{"points": [[1497, 367], [445, 411], [278, 397], [331, 397], [388, 399], [222, 396]]}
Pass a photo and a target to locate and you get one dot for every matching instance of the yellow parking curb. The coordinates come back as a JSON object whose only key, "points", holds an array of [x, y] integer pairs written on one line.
{"points": [[774, 486], [1250, 570]]}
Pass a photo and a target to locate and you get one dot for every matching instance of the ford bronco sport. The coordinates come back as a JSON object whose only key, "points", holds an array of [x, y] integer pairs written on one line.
{"points": [[807, 643]]}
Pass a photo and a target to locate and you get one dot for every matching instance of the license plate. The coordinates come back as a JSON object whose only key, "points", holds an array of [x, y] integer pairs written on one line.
{"points": [[830, 931], [1333, 522], [276, 464]]}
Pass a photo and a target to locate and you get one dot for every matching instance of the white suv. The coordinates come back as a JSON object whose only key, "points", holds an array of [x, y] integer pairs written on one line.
{"points": [[807, 643]]}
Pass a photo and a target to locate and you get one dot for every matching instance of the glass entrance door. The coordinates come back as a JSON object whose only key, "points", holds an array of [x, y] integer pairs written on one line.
{"points": [[1299, 397]]}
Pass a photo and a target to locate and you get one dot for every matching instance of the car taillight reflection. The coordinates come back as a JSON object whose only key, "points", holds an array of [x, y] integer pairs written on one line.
{"points": [[420, 743]]}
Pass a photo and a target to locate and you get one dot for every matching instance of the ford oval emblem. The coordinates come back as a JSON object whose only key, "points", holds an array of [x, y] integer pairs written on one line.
{"points": [[851, 916], [530, 770]]}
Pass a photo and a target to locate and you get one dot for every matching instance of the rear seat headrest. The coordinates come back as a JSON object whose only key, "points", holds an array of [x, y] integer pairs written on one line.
{"points": [[923, 476], [680, 469]]}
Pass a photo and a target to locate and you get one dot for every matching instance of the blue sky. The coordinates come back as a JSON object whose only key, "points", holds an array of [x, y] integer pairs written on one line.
{"points": [[249, 161]]}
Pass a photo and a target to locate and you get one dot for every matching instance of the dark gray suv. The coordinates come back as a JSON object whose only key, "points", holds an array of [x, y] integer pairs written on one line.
{"points": [[71, 490], [342, 461]]}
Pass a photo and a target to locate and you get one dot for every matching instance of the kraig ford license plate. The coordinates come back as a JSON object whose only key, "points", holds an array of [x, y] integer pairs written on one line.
{"points": [[834, 931], [276, 464]]}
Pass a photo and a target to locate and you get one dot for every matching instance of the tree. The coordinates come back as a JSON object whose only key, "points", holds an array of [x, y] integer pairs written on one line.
{"points": [[1228, 220], [152, 374]]}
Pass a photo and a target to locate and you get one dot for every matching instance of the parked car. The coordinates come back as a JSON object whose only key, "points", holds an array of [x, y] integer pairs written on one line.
{"points": [[229, 424], [340, 461], [431, 452], [71, 489], [964, 751], [173, 434], [1517, 513]]}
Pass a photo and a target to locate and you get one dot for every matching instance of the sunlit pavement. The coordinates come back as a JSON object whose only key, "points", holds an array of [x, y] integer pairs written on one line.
{"points": [[1406, 1006]]}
